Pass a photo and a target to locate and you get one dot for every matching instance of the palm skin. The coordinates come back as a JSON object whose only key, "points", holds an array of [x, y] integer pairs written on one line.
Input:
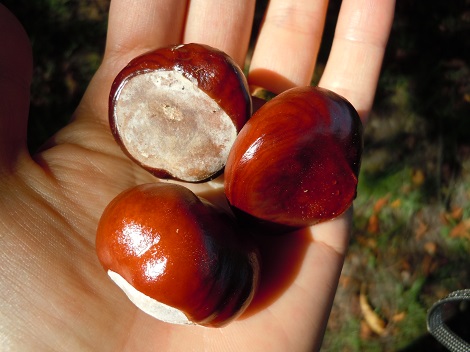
{"points": [[54, 295]]}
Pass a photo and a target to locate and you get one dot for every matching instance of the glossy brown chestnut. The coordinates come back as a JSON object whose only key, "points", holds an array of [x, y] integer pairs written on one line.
{"points": [[296, 161], [176, 256], [176, 111]]}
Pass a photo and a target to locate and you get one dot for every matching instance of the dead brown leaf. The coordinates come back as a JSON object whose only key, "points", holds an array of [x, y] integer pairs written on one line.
{"points": [[381, 203], [345, 281], [452, 216], [399, 317], [418, 177], [421, 229], [427, 265], [373, 320], [367, 242], [462, 229], [430, 247], [373, 225], [405, 265], [456, 213]]}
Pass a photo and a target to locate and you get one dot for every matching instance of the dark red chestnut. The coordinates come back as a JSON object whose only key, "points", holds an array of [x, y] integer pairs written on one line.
{"points": [[296, 161], [176, 256], [176, 111]]}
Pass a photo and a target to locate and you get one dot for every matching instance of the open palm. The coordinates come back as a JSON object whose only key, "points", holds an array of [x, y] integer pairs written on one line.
{"points": [[54, 295]]}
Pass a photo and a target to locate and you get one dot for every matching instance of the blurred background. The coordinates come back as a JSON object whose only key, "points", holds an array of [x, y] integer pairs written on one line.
{"points": [[411, 240]]}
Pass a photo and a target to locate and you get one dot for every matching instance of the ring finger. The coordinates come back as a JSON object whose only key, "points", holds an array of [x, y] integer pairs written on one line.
{"points": [[358, 48]]}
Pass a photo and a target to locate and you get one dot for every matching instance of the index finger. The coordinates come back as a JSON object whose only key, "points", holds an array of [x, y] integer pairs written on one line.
{"points": [[134, 27], [138, 26]]}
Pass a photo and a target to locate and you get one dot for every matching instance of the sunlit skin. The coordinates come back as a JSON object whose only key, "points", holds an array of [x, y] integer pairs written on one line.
{"points": [[54, 295]]}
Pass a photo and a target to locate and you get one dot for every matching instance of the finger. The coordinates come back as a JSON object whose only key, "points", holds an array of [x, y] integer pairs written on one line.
{"points": [[356, 55], [335, 233], [301, 307], [288, 44], [138, 26], [322, 269], [225, 25], [15, 80], [134, 27]]}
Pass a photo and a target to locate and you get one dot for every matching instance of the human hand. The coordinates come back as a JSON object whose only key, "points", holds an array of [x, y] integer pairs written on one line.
{"points": [[54, 295]]}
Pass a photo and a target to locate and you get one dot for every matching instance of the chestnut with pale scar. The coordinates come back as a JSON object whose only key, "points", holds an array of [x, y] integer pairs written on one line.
{"points": [[176, 111], [176, 256]]}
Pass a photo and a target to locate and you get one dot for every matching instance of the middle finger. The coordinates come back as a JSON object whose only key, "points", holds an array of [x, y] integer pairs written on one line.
{"points": [[288, 44], [225, 25]]}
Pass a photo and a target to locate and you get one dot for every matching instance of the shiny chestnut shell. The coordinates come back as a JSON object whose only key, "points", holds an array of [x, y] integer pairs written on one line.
{"points": [[176, 110], [296, 161], [180, 250]]}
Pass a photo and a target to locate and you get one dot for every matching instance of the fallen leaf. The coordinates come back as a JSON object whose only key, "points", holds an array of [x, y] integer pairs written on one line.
{"points": [[453, 216], [373, 320], [427, 265], [462, 229], [418, 177], [421, 229], [373, 225], [444, 218], [396, 203], [399, 317], [405, 265], [456, 213], [381, 203], [367, 242], [430, 247], [344, 281]]}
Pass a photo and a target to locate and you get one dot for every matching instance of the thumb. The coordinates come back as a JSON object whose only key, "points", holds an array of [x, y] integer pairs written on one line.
{"points": [[15, 80]]}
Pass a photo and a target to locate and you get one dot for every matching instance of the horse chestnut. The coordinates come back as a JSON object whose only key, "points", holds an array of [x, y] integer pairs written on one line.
{"points": [[176, 256], [296, 161], [176, 111]]}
